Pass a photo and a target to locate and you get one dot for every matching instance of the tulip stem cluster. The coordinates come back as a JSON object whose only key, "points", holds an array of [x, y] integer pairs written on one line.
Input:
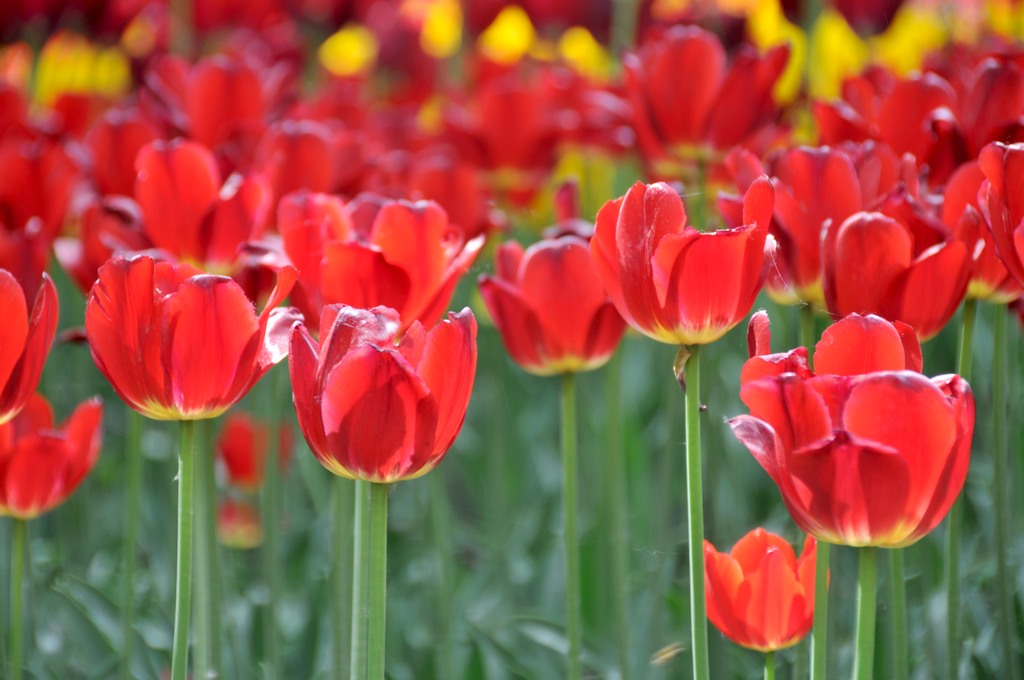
{"points": [[695, 516], [183, 583], [956, 513], [133, 456], [20, 541], [819, 633], [569, 494], [377, 580], [898, 602], [867, 585]]}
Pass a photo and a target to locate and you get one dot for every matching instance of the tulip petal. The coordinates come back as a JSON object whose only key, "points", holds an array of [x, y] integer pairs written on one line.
{"points": [[378, 415], [862, 258], [448, 367], [933, 287], [16, 325], [302, 369], [859, 344]]}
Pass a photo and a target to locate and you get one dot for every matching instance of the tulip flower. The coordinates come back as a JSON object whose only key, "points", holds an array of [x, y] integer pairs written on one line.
{"points": [[186, 210], [41, 464], [377, 406], [177, 344], [906, 267], [863, 422], [719, 106], [760, 595], [26, 341], [576, 330], [374, 251], [113, 143], [1003, 166], [37, 179], [380, 407], [107, 226], [671, 282]]}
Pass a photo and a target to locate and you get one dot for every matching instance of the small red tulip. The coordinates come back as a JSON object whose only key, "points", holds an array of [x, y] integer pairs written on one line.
{"points": [[760, 595], [864, 452], [239, 525], [377, 406], [42, 464], [177, 344], [550, 307], [108, 225], [242, 446], [113, 143], [25, 341], [670, 281], [37, 179]]}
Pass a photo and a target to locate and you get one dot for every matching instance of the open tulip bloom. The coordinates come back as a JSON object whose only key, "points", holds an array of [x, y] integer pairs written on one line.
{"points": [[25, 342], [760, 595]]}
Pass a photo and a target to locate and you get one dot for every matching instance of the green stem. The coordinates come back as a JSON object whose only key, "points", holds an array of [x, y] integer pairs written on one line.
{"points": [[623, 25], [695, 512], [271, 519], [445, 547], [342, 606], [819, 634], [615, 488], [769, 666], [207, 632], [898, 602], [956, 513], [340, 591], [183, 582], [17, 590], [1001, 474], [133, 457], [864, 661], [360, 556], [377, 580], [569, 501]]}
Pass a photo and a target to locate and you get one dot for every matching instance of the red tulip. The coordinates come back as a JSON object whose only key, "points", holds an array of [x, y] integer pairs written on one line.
{"points": [[868, 16], [550, 307], [990, 279], [1003, 204], [25, 342], [177, 344], [36, 183], [378, 406], [760, 595], [865, 452], [670, 281], [189, 214], [715, 107], [374, 251], [906, 266], [42, 464], [113, 143], [242, 446], [107, 226]]}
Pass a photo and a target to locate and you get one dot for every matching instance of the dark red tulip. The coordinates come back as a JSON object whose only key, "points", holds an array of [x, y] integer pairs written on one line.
{"points": [[550, 308], [41, 463], [864, 452], [178, 344], [379, 406], [760, 595], [113, 144], [868, 17], [670, 281]]}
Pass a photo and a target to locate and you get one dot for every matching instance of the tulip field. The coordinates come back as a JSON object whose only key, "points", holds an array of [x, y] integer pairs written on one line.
{"points": [[428, 339]]}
